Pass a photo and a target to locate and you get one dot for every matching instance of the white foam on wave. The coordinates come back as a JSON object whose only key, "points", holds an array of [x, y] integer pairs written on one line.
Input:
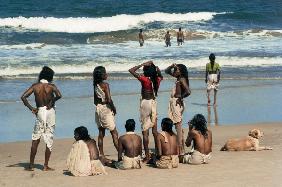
{"points": [[24, 46], [125, 65], [102, 24]]}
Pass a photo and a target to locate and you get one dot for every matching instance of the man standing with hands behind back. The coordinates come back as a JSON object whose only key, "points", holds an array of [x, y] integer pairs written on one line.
{"points": [[46, 94]]}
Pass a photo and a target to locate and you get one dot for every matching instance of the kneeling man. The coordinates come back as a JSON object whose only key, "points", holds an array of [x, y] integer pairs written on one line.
{"points": [[167, 143], [131, 145], [201, 140]]}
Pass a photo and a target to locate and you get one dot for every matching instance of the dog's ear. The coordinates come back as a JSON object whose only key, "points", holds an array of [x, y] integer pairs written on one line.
{"points": [[254, 133]]}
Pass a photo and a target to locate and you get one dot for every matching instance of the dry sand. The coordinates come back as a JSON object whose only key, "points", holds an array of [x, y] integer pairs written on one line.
{"points": [[263, 168]]}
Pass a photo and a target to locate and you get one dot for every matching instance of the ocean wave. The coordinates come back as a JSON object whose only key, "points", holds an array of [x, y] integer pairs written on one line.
{"points": [[102, 24], [85, 70], [24, 46], [158, 35]]}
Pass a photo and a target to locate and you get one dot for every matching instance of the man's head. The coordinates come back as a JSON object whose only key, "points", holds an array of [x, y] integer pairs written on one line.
{"points": [[199, 123], [167, 32], [179, 29], [212, 57], [167, 125], [140, 30], [46, 73], [99, 74], [130, 125], [81, 133]]}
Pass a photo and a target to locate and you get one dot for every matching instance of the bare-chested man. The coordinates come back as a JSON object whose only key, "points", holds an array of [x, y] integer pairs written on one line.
{"points": [[141, 38], [131, 145], [167, 39], [180, 37], [176, 105], [167, 143], [201, 140], [46, 94]]}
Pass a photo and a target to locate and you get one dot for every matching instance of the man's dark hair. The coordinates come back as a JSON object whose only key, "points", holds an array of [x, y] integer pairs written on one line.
{"points": [[130, 125], [140, 30], [46, 73], [98, 73], [212, 57], [82, 133], [167, 125], [151, 71], [200, 124], [179, 29], [183, 71]]}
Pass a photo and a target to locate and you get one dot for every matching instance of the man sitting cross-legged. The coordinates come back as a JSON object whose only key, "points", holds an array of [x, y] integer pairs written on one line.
{"points": [[200, 137], [131, 145], [167, 143]]}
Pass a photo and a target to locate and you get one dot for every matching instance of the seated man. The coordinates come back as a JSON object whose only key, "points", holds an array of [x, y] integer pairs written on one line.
{"points": [[83, 159], [201, 140], [167, 143], [131, 145]]}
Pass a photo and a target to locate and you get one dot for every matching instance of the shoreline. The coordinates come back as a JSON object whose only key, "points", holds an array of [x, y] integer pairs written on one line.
{"points": [[226, 168]]}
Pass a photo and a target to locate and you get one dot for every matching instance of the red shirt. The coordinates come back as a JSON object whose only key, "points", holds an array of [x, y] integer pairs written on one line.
{"points": [[147, 83]]}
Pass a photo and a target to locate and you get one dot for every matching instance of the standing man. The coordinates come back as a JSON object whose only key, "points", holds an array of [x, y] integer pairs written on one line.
{"points": [[131, 145], [167, 39], [180, 37], [46, 94], [141, 38], [212, 77]]}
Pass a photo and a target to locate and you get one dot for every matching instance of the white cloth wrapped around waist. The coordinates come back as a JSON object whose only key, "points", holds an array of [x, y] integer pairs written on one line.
{"points": [[196, 157], [129, 163]]}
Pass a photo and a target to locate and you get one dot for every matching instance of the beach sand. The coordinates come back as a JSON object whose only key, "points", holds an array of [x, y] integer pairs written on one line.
{"points": [[249, 168]]}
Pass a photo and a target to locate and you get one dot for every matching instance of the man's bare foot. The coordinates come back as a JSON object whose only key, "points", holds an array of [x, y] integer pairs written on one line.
{"points": [[47, 168], [29, 168]]}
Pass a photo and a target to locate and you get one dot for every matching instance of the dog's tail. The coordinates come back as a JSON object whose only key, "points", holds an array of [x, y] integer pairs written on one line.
{"points": [[223, 148]]}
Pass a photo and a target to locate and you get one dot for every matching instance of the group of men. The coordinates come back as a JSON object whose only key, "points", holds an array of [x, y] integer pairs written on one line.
{"points": [[167, 38], [129, 145]]}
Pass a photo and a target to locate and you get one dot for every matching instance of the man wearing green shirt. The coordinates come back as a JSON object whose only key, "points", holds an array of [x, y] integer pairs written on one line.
{"points": [[212, 77]]}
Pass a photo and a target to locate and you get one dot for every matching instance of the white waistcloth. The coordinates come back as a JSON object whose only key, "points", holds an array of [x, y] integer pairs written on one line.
{"points": [[45, 126]]}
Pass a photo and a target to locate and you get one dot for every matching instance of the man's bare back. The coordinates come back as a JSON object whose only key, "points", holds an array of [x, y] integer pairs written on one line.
{"points": [[170, 147], [131, 144], [201, 144], [44, 95]]}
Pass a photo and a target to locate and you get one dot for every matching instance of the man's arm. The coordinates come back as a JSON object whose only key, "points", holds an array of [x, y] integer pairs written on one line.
{"points": [[207, 73], [120, 149], [189, 139], [58, 96], [169, 68], [24, 97], [159, 146], [218, 76], [185, 88], [135, 68], [159, 73]]}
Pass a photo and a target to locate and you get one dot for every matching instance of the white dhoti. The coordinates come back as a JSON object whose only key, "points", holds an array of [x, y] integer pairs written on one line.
{"points": [[196, 158], [212, 82], [129, 163], [45, 126], [148, 113], [104, 117], [79, 163], [175, 111]]}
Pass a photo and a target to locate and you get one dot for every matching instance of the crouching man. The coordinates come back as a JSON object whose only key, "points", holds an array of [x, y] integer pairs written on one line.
{"points": [[167, 143], [131, 145]]}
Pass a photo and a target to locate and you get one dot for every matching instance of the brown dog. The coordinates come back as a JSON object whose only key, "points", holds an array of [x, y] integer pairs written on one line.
{"points": [[250, 143]]}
